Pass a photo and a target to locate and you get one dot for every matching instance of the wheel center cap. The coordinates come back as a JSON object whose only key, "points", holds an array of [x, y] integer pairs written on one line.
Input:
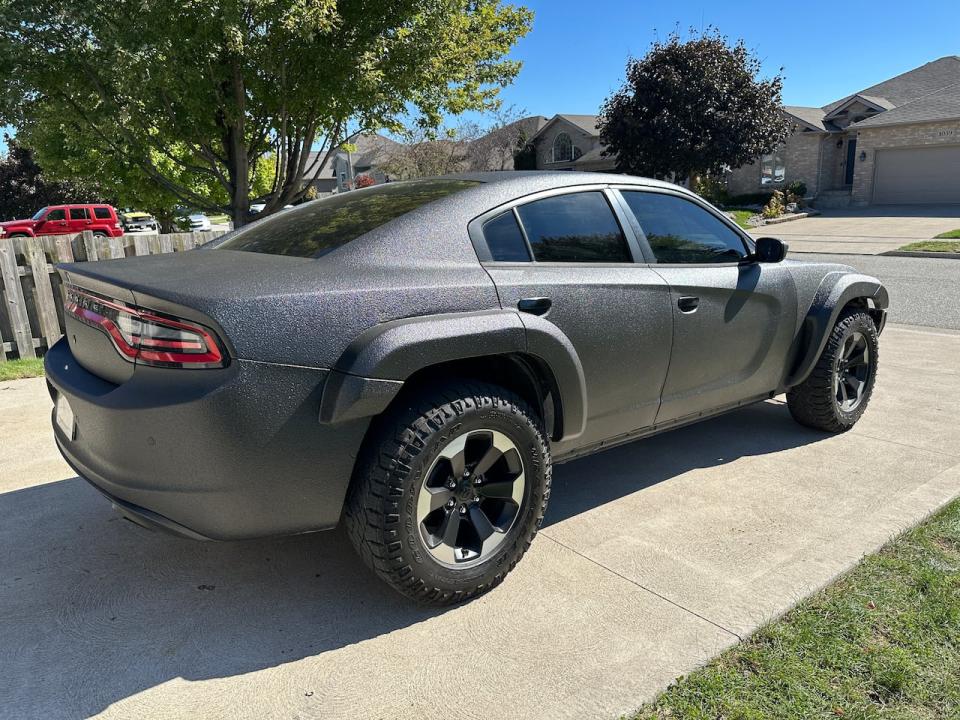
{"points": [[464, 490]]}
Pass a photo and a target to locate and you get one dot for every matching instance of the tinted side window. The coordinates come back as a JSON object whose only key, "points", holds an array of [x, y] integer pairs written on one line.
{"points": [[59, 214], [316, 228], [79, 214], [579, 227], [505, 240], [681, 232], [102, 213]]}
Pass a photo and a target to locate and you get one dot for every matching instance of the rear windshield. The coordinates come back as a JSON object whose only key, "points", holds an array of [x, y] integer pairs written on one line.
{"points": [[317, 228]]}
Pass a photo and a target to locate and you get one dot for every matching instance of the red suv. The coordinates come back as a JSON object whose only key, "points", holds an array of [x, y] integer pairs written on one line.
{"points": [[65, 220]]}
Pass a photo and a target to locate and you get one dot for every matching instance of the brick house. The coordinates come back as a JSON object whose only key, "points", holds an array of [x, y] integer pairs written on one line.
{"points": [[337, 173], [571, 142], [897, 142]]}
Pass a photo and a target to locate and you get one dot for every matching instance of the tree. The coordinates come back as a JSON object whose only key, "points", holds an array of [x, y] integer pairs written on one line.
{"points": [[217, 87], [71, 153], [495, 146], [422, 154], [694, 106], [25, 187]]}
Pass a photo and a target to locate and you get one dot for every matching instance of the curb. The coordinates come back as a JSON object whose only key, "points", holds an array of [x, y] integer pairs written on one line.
{"points": [[922, 254], [790, 218]]}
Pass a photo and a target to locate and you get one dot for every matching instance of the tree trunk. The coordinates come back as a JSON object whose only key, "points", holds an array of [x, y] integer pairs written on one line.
{"points": [[238, 162]]}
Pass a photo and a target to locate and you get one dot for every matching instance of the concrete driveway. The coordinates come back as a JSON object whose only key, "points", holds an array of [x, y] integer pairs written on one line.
{"points": [[654, 557], [868, 231]]}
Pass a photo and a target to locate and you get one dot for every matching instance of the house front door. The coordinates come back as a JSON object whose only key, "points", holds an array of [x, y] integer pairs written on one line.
{"points": [[851, 159]]}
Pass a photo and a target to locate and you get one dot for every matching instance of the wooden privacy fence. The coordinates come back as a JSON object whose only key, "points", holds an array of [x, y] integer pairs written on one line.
{"points": [[31, 319]]}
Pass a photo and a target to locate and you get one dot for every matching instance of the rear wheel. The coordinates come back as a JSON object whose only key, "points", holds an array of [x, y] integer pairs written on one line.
{"points": [[99, 233], [837, 391], [450, 492]]}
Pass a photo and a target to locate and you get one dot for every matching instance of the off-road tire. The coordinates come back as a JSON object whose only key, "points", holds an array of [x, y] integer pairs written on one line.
{"points": [[380, 510], [813, 402]]}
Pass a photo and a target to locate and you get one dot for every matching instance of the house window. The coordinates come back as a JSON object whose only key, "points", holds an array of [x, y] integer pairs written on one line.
{"points": [[773, 169], [562, 148]]}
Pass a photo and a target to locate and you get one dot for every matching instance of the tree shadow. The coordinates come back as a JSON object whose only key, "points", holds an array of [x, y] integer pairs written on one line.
{"points": [[96, 609]]}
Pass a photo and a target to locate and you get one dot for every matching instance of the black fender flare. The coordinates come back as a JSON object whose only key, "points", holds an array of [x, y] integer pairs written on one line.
{"points": [[836, 291], [374, 367]]}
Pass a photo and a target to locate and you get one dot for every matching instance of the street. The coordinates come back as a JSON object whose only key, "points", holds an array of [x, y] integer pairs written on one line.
{"points": [[923, 291]]}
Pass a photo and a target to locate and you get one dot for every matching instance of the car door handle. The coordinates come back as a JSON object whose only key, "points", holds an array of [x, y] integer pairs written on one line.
{"points": [[688, 304], [535, 306]]}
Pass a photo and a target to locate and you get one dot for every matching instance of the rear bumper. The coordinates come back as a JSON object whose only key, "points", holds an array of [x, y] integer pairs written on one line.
{"points": [[221, 454]]}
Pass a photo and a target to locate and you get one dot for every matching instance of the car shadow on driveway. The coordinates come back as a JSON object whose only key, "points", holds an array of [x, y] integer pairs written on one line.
{"points": [[595, 480], [95, 609]]}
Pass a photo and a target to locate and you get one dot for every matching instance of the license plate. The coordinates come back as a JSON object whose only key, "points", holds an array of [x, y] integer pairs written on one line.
{"points": [[63, 415]]}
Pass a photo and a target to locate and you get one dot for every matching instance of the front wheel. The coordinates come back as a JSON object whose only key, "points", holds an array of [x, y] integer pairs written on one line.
{"points": [[837, 391], [450, 492]]}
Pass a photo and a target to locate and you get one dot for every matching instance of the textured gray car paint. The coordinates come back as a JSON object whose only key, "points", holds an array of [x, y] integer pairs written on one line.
{"points": [[240, 452], [736, 342], [228, 454]]}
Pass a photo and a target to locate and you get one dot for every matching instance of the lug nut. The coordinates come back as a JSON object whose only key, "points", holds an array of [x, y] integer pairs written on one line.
{"points": [[466, 473], [451, 483], [450, 503], [463, 509]]}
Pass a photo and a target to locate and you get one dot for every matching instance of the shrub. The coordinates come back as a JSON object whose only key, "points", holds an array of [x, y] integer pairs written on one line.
{"points": [[710, 189], [760, 198], [797, 188], [775, 207], [362, 181]]}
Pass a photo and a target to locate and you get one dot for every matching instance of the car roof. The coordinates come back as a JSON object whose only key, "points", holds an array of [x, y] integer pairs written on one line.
{"points": [[557, 178], [437, 231]]}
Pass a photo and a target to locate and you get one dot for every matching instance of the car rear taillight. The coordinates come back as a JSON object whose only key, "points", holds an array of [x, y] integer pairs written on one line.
{"points": [[145, 336]]}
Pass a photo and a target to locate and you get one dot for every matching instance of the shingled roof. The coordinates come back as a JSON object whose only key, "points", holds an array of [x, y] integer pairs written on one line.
{"points": [[941, 105], [909, 86]]}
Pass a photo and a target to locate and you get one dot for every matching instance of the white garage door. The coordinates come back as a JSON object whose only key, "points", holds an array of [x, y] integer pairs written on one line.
{"points": [[918, 175]]}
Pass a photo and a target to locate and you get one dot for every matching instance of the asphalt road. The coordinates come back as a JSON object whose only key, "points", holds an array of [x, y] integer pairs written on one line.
{"points": [[923, 291]]}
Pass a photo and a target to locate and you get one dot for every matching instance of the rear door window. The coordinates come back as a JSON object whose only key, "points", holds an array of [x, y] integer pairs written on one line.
{"points": [[579, 228], [79, 213], [319, 227]]}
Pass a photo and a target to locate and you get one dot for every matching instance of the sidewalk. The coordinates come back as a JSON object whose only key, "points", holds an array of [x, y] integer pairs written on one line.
{"points": [[654, 557]]}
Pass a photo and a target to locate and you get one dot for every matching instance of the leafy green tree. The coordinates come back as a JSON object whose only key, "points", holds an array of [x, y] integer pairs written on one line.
{"points": [[25, 187], [205, 92], [69, 152], [693, 106]]}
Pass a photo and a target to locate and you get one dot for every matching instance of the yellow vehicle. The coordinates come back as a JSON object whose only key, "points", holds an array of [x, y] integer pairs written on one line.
{"points": [[142, 223]]}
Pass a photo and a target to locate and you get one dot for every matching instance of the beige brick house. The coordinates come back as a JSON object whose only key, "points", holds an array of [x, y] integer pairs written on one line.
{"points": [[571, 142], [897, 142]]}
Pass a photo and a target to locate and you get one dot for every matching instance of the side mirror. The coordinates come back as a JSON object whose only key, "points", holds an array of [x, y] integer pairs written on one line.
{"points": [[770, 250]]}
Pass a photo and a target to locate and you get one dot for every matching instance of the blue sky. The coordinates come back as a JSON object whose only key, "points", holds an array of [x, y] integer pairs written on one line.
{"points": [[576, 53]]}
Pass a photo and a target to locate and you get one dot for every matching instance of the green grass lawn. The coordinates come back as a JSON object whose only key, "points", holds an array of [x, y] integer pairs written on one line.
{"points": [[949, 235], [218, 219], [741, 217], [936, 245], [17, 369], [881, 642]]}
